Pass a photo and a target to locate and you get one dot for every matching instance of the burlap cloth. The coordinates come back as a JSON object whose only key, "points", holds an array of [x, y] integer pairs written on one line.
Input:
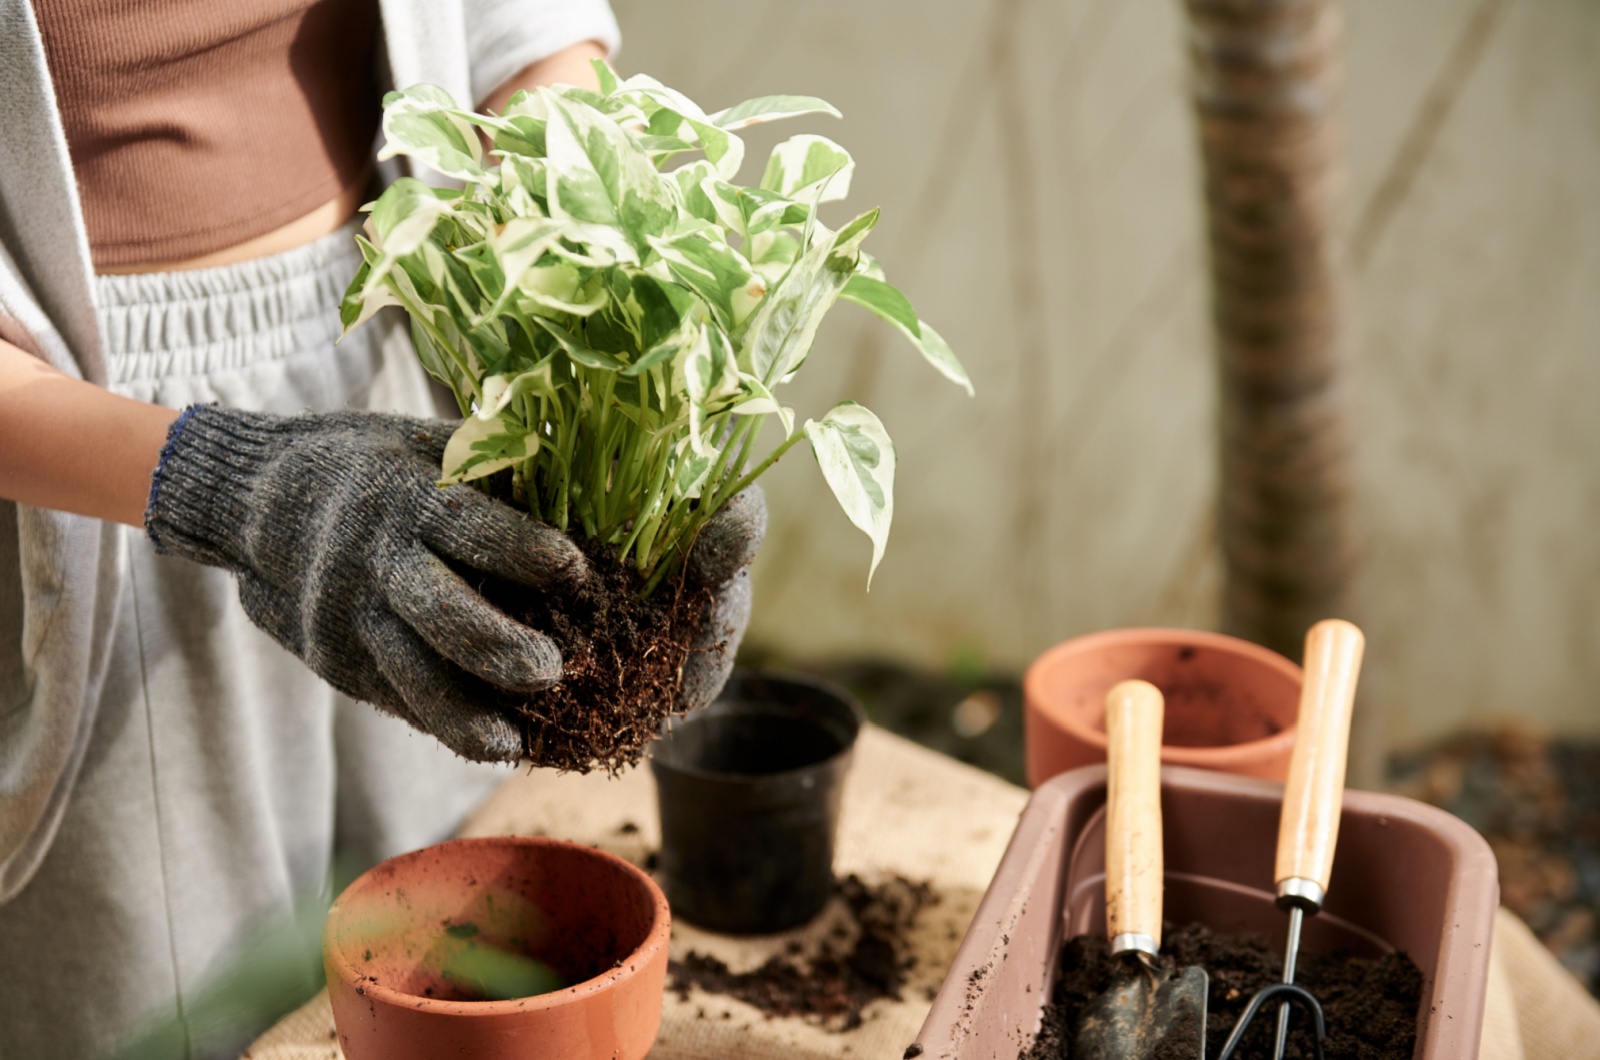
{"points": [[911, 812]]}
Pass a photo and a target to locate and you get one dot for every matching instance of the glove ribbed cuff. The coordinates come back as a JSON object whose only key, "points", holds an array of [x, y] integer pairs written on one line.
{"points": [[199, 493]]}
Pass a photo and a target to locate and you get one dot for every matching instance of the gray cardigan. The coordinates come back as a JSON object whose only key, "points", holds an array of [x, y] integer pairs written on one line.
{"points": [[61, 575]]}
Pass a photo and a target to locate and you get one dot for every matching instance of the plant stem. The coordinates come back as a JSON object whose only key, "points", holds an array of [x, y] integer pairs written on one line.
{"points": [[772, 458]]}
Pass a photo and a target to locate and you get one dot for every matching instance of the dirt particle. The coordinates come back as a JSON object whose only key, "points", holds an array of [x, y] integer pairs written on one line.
{"points": [[832, 987]]}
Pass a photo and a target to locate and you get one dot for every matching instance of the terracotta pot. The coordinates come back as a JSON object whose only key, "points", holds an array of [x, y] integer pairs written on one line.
{"points": [[1230, 705], [405, 948], [1406, 876]]}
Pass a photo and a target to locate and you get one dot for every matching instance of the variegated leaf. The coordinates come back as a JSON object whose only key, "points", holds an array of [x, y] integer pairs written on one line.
{"points": [[578, 350], [715, 271], [770, 108], [888, 303], [597, 174], [500, 391], [691, 469], [424, 122], [520, 243], [857, 460], [809, 168], [560, 287], [710, 377], [402, 219], [363, 298], [480, 447], [759, 401], [781, 332]]}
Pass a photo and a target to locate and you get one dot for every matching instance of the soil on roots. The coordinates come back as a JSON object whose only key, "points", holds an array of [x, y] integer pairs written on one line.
{"points": [[622, 663]]}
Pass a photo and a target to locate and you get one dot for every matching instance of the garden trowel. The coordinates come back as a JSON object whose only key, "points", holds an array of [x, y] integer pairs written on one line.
{"points": [[1146, 1011]]}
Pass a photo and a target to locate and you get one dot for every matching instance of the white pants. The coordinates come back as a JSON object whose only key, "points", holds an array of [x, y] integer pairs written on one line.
{"points": [[222, 777]]}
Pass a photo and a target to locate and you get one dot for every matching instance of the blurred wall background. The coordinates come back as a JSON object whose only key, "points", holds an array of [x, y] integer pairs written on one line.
{"points": [[1036, 166]]}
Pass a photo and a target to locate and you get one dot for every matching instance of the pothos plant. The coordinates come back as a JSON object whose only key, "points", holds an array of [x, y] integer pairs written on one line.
{"points": [[616, 315]]}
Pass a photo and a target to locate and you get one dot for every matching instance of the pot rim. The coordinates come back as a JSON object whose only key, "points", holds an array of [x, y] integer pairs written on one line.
{"points": [[1036, 700], [633, 964], [858, 716]]}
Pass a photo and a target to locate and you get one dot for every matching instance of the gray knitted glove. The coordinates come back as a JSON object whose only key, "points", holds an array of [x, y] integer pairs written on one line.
{"points": [[720, 559], [339, 535]]}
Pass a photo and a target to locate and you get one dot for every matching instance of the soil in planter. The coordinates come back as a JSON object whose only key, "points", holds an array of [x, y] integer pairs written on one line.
{"points": [[849, 971], [1370, 1004], [622, 659]]}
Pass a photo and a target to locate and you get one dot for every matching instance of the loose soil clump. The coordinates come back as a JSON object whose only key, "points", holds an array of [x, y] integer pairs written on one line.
{"points": [[1370, 1004], [621, 663], [832, 987]]}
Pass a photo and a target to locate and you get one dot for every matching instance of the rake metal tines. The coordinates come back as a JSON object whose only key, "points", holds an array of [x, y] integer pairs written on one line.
{"points": [[1290, 995]]}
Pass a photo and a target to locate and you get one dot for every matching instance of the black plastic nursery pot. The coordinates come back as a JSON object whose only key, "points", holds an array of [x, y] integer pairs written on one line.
{"points": [[749, 792]]}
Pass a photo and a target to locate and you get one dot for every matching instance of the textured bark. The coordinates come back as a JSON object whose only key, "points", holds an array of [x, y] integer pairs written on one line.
{"points": [[1266, 90]]}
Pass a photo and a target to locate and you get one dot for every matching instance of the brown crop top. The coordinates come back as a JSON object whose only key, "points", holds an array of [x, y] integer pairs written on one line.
{"points": [[195, 125]]}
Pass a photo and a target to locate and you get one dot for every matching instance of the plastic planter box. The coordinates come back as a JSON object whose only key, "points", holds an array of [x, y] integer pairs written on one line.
{"points": [[1407, 876]]}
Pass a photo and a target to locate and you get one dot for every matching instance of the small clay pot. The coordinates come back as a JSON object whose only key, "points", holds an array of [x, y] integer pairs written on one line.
{"points": [[1230, 705], [749, 794], [1406, 876], [413, 945]]}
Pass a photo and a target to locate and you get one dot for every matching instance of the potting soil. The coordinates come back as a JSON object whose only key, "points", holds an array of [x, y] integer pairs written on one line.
{"points": [[866, 962], [621, 663], [1370, 1004]]}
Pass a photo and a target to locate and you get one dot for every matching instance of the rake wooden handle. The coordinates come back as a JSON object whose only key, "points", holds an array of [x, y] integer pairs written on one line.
{"points": [[1134, 863], [1312, 799]]}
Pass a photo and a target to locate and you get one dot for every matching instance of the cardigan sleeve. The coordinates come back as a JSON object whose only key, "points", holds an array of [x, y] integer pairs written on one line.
{"points": [[505, 36]]}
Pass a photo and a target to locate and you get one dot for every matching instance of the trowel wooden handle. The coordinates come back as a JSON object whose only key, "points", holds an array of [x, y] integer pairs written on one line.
{"points": [[1133, 816], [1309, 826]]}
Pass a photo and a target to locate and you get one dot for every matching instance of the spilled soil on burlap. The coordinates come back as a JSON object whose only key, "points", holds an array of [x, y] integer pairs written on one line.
{"points": [[865, 960], [1370, 1004]]}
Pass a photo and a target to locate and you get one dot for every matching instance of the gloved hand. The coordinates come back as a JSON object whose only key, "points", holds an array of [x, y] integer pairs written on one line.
{"points": [[338, 533], [720, 560]]}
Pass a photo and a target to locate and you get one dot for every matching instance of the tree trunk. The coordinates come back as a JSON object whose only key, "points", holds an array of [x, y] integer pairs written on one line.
{"points": [[1266, 90]]}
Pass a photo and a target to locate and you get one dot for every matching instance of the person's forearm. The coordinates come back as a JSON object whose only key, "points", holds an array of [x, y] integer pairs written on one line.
{"points": [[72, 446], [570, 66]]}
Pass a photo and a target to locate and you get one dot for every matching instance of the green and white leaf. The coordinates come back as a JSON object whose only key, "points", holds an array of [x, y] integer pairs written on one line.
{"points": [[691, 469], [597, 173], [401, 221], [711, 378], [888, 303], [759, 401], [499, 391], [809, 168], [561, 287], [603, 306], [423, 122], [857, 460], [770, 108], [781, 333], [715, 271], [578, 350], [480, 447]]}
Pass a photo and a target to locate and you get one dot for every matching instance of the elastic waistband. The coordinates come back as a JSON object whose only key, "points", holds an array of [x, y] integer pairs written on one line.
{"points": [[200, 321]]}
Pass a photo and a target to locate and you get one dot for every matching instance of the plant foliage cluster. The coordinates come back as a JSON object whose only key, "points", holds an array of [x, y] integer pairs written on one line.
{"points": [[615, 315]]}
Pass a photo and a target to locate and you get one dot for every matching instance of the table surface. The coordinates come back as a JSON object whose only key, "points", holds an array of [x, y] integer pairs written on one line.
{"points": [[910, 812]]}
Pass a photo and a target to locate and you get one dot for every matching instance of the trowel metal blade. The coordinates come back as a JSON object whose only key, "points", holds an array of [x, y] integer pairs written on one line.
{"points": [[1145, 1014]]}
